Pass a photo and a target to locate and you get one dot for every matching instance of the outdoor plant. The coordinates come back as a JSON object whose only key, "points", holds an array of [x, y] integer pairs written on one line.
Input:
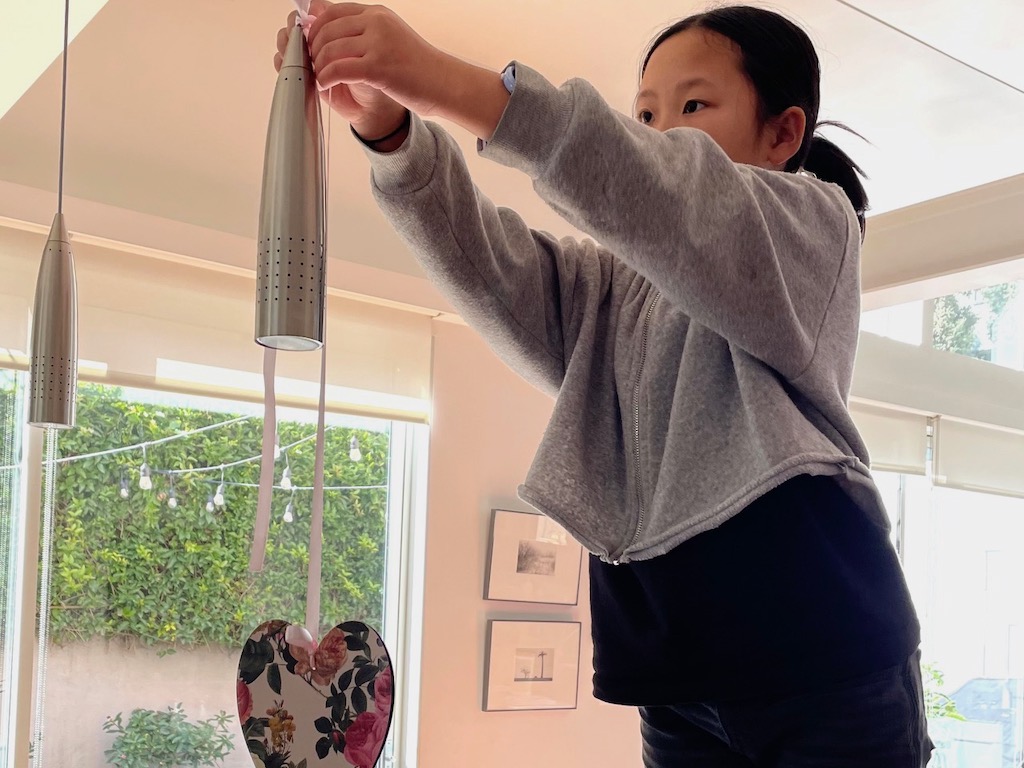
{"points": [[937, 704], [166, 739], [136, 568]]}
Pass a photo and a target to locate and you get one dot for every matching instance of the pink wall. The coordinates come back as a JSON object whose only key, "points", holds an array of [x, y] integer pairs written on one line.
{"points": [[487, 423]]}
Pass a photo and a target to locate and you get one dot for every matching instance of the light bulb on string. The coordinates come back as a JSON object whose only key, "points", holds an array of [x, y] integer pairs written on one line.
{"points": [[353, 450], [210, 506], [172, 497], [145, 480], [289, 511], [124, 487], [286, 476], [218, 496], [277, 450]]}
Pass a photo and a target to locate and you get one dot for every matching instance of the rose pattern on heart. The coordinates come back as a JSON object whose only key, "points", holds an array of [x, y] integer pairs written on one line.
{"points": [[331, 707]]}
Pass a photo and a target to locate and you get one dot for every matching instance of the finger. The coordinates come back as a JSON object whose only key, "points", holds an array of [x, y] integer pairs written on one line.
{"points": [[282, 39], [348, 70], [278, 61], [346, 49], [338, 29], [328, 12]]}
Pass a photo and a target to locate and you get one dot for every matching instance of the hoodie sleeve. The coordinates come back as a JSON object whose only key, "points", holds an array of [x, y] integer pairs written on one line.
{"points": [[521, 289], [752, 254]]}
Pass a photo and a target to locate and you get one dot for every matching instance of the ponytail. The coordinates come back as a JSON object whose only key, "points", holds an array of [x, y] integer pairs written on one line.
{"points": [[829, 163]]}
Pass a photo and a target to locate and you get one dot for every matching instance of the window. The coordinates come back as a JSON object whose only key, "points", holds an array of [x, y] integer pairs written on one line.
{"points": [[178, 324], [986, 323], [151, 596], [964, 560], [12, 415]]}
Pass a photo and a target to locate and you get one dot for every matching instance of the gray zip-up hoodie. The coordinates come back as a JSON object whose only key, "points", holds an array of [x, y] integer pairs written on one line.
{"points": [[700, 354]]}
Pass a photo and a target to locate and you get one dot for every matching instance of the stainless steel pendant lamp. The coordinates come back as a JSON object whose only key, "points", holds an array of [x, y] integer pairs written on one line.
{"points": [[54, 359], [292, 224]]}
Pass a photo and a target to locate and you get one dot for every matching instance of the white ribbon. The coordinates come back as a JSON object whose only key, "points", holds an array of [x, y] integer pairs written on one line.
{"points": [[264, 505], [266, 492]]}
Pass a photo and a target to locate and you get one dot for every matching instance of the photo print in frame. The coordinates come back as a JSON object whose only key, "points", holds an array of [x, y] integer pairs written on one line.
{"points": [[531, 665], [532, 559]]}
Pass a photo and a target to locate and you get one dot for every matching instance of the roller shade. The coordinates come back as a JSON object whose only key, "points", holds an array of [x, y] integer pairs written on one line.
{"points": [[979, 458], [897, 440], [181, 326]]}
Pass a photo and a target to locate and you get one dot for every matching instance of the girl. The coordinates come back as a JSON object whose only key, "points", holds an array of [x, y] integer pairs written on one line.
{"points": [[744, 592]]}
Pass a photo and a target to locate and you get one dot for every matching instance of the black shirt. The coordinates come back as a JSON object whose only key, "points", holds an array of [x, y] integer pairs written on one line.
{"points": [[798, 590]]}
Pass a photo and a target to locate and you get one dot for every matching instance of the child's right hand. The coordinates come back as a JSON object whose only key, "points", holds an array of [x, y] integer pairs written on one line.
{"points": [[371, 112]]}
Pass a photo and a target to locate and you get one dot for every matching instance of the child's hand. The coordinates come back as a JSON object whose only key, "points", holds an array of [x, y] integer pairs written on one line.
{"points": [[370, 111], [370, 47], [377, 67]]}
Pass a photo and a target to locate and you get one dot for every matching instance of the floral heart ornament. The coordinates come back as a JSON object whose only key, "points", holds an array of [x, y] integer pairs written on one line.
{"points": [[302, 704]]}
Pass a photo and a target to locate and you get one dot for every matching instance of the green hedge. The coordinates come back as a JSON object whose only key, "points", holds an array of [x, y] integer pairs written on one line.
{"points": [[136, 568]]}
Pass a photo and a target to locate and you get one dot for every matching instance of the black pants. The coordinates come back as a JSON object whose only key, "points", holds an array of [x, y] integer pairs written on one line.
{"points": [[877, 721]]}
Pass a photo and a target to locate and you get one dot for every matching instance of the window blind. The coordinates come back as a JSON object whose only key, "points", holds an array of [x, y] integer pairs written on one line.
{"points": [[179, 326], [897, 440]]}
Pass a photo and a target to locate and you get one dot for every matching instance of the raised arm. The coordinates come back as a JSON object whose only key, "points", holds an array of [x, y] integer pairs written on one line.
{"points": [[523, 290], [758, 256], [755, 255]]}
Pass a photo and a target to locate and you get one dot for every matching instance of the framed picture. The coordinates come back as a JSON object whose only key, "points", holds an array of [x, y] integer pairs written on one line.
{"points": [[531, 665], [531, 560]]}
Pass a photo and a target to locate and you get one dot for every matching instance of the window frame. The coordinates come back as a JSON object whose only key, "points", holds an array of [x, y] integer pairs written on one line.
{"points": [[403, 598]]}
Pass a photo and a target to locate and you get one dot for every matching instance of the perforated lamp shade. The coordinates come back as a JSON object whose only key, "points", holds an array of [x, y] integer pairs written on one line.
{"points": [[54, 363], [292, 228]]}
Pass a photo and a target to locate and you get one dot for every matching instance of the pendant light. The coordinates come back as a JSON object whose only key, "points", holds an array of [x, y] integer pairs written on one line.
{"points": [[54, 359], [292, 226]]}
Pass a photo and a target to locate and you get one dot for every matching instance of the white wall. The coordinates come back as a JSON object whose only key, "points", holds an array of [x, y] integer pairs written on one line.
{"points": [[487, 423]]}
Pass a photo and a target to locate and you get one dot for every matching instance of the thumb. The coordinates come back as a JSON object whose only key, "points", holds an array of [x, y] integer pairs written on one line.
{"points": [[316, 7]]}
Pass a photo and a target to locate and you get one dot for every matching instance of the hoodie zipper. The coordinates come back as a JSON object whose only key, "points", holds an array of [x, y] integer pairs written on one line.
{"points": [[641, 512]]}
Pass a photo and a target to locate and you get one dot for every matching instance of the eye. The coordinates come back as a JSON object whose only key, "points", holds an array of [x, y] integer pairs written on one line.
{"points": [[645, 116], [693, 106]]}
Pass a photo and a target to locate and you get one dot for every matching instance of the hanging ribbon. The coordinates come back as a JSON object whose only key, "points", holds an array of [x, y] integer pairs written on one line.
{"points": [[257, 556], [266, 492]]}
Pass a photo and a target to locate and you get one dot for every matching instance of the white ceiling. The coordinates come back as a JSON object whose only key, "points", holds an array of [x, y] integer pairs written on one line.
{"points": [[168, 102]]}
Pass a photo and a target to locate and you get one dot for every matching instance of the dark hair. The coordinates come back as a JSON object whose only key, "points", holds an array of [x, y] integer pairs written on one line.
{"points": [[779, 59]]}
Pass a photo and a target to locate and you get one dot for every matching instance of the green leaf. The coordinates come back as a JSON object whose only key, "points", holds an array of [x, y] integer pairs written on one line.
{"points": [[365, 674], [355, 644], [274, 678], [358, 700], [323, 747], [345, 680], [255, 658]]}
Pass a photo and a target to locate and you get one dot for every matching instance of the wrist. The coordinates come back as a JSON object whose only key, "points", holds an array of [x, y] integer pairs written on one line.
{"points": [[471, 96], [384, 136]]}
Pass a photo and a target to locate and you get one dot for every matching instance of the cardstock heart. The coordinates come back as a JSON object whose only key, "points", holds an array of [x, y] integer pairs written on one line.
{"points": [[330, 709]]}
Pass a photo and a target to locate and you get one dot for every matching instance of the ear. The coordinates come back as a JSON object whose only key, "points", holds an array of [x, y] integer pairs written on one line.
{"points": [[784, 135]]}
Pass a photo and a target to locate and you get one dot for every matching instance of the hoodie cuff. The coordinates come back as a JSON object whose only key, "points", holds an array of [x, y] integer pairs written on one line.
{"points": [[408, 168], [535, 120]]}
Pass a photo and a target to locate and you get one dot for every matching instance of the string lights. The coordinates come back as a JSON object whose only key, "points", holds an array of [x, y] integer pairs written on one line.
{"points": [[217, 497]]}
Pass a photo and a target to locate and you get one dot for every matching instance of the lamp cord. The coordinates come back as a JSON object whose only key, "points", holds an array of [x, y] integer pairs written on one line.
{"points": [[63, 107]]}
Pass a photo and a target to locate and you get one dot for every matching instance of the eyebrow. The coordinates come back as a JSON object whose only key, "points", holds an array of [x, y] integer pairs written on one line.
{"points": [[682, 85]]}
